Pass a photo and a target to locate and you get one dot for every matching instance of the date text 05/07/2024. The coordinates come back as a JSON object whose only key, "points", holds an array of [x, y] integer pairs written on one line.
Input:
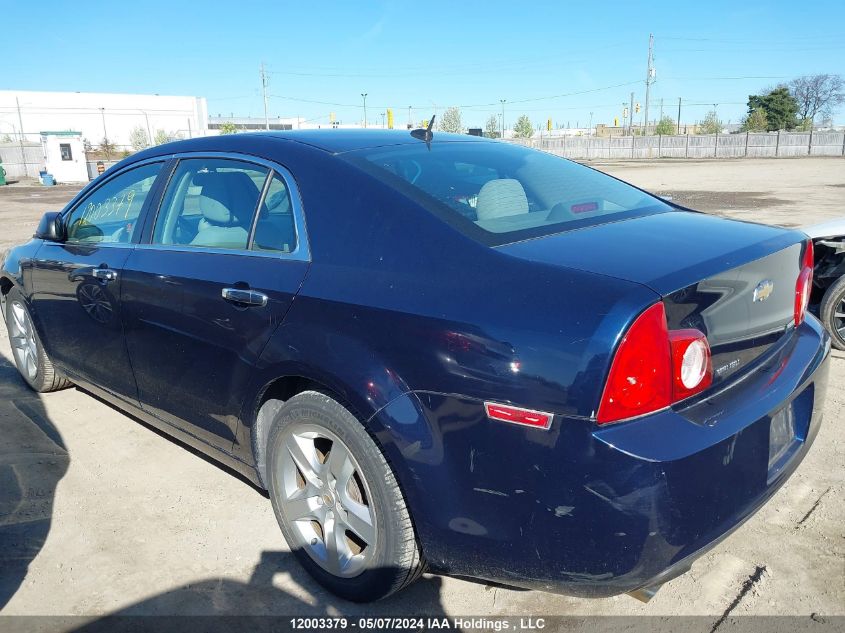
{"points": [[420, 623]]}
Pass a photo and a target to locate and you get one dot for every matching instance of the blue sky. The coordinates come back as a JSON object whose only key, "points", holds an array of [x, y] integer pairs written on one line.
{"points": [[428, 54]]}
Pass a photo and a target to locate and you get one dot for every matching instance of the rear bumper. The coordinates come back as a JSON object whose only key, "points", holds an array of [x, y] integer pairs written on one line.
{"points": [[596, 512]]}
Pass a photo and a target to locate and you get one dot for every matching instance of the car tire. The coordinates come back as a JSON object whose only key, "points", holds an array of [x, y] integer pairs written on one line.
{"points": [[342, 513], [833, 303], [31, 360]]}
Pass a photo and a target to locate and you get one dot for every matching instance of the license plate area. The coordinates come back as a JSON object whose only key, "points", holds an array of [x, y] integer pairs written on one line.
{"points": [[787, 431]]}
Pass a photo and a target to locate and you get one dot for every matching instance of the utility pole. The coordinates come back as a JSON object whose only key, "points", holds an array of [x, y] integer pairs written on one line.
{"points": [[591, 121], [679, 115], [649, 78], [20, 138], [264, 94], [410, 122], [364, 95], [103, 114], [149, 133], [631, 116], [661, 108], [502, 101]]}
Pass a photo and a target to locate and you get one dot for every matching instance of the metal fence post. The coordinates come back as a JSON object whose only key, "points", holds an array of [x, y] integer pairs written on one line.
{"points": [[686, 149], [810, 144], [777, 144], [843, 142], [716, 146], [659, 145], [564, 145], [633, 138], [746, 144]]}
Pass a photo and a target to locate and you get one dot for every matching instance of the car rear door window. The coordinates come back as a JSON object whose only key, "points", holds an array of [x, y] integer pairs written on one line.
{"points": [[210, 203], [275, 229], [109, 214]]}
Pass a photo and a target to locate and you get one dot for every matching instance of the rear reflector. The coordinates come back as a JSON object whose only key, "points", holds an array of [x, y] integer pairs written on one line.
{"points": [[515, 415]]}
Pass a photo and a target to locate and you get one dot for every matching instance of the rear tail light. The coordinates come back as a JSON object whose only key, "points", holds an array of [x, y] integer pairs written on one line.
{"points": [[692, 370], [804, 285], [654, 367]]}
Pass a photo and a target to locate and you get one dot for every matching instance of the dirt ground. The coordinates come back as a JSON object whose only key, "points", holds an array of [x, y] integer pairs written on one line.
{"points": [[113, 517]]}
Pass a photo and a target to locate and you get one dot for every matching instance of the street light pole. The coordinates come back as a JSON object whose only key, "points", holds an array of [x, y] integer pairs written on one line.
{"points": [[364, 96], [502, 101], [591, 122]]}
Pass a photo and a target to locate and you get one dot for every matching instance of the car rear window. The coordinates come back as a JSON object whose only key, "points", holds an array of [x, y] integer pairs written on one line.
{"points": [[499, 192]]}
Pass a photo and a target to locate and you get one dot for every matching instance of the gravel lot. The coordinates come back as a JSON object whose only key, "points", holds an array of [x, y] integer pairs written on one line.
{"points": [[114, 517]]}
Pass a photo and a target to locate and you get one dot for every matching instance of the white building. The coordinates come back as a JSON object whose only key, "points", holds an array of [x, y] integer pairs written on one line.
{"points": [[64, 156], [100, 115]]}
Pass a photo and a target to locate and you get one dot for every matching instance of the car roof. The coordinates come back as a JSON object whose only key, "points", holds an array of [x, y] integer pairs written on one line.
{"points": [[345, 140], [330, 140]]}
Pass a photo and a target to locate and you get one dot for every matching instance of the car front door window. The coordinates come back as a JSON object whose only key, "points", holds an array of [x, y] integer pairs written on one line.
{"points": [[109, 214]]}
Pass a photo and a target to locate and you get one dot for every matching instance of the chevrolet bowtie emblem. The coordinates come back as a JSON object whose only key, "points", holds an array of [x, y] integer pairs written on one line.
{"points": [[763, 290]]}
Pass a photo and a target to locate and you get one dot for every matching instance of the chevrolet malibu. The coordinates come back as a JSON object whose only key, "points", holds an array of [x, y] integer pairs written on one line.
{"points": [[435, 351]]}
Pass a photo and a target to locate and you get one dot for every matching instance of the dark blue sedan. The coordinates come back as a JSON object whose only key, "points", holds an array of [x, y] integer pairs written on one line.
{"points": [[436, 353]]}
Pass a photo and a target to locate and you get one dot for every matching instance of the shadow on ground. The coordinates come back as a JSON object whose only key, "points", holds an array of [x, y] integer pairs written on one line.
{"points": [[33, 459]]}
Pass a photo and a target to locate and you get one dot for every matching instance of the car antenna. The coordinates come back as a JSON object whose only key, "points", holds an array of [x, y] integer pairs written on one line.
{"points": [[425, 134]]}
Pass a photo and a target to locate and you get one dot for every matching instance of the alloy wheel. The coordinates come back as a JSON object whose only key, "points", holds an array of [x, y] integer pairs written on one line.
{"points": [[839, 318], [22, 335], [326, 500]]}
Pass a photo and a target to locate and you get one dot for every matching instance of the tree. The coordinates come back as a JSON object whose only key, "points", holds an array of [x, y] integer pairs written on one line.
{"points": [[817, 94], [450, 121], [523, 127], [160, 137], [86, 145], [665, 126], [228, 128], [6, 139], [780, 107], [711, 124], [138, 138], [107, 147], [756, 121], [491, 127]]}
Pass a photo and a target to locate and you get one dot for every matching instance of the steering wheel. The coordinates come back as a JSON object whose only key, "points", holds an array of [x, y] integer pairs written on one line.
{"points": [[122, 235]]}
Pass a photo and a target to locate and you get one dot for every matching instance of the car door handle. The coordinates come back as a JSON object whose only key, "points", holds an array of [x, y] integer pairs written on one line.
{"points": [[104, 274], [245, 297]]}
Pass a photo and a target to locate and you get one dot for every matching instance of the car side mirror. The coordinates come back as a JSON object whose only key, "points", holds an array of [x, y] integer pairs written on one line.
{"points": [[51, 227]]}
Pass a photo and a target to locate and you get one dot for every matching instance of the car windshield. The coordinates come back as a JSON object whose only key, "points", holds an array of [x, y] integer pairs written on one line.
{"points": [[500, 192]]}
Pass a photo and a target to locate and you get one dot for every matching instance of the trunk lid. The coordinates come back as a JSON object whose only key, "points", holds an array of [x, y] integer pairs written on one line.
{"points": [[734, 281]]}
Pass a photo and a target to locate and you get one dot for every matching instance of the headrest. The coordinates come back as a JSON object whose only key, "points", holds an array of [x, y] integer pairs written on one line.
{"points": [[499, 198], [226, 198]]}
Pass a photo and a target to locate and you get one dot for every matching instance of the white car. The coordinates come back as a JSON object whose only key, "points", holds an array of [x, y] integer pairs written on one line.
{"points": [[829, 276]]}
